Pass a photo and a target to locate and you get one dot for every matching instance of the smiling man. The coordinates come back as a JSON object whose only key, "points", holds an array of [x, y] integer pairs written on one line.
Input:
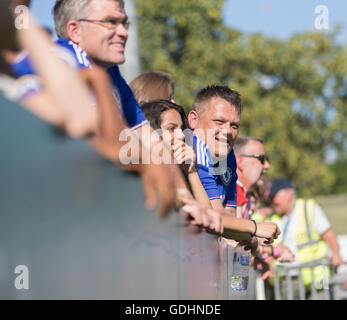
{"points": [[96, 31], [215, 120]]}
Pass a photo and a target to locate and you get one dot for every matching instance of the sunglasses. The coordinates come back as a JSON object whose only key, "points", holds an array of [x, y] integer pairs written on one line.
{"points": [[261, 157]]}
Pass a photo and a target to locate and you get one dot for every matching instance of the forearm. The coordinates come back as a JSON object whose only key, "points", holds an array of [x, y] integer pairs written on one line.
{"points": [[330, 237], [230, 211], [237, 227]]}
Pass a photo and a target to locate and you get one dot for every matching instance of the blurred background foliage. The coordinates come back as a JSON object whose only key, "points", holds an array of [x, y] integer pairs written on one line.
{"points": [[294, 91]]}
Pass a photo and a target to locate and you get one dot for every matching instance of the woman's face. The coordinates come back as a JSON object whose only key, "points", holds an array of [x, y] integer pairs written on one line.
{"points": [[172, 122]]}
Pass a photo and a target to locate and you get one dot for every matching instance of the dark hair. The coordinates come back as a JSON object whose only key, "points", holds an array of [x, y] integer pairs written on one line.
{"points": [[224, 92], [153, 110], [242, 141]]}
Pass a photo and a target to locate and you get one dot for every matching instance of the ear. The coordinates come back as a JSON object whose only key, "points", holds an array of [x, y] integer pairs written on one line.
{"points": [[239, 162], [73, 30], [193, 119]]}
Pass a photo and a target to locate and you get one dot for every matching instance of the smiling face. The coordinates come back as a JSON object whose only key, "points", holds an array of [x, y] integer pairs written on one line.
{"points": [[104, 46], [172, 122], [217, 125]]}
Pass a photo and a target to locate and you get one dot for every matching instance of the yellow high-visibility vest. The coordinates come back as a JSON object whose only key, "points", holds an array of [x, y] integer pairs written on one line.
{"points": [[310, 245], [256, 216]]}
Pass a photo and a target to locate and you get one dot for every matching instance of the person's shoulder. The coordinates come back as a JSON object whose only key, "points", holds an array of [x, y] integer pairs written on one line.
{"points": [[66, 47]]}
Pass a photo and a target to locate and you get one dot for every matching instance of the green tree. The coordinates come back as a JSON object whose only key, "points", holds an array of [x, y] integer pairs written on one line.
{"points": [[339, 169], [294, 91]]}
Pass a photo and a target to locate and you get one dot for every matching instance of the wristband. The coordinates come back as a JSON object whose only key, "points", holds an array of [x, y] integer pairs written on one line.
{"points": [[276, 251], [255, 229]]}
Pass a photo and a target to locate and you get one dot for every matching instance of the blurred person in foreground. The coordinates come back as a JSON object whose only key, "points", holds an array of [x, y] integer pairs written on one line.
{"points": [[95, 33], [306, 231], [63, 99]]}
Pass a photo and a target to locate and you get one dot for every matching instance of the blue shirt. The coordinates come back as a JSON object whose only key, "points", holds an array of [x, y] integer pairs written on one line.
{"points": [[217, 186], [76, 57]]}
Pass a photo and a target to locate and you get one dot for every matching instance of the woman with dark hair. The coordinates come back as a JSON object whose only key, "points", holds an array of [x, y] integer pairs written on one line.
{"points": [[171, 119]]}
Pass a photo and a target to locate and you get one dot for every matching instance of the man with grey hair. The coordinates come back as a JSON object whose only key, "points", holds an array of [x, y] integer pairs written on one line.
{"points": [[94, 31], [252, 162]]}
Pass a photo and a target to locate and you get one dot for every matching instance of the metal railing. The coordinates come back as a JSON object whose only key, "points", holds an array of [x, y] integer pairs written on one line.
{"points": [[287, 277]]}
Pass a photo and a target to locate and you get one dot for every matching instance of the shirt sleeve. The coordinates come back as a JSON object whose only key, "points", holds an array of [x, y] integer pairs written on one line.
{"points": [[209, 182], [320, 221]]}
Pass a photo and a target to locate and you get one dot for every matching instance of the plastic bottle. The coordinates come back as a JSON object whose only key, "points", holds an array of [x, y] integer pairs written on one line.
{"points": [[240, 270]]}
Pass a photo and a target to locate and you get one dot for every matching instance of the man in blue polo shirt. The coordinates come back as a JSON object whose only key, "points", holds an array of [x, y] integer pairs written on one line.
{"points": [[215, 119], [94, 31]]}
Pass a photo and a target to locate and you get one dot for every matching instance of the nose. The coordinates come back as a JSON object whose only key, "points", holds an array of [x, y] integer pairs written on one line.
{"points": [[122, 31], [266, 165]]}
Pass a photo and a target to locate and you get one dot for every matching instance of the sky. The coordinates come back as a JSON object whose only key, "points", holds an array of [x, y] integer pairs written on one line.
{"points": [[279, 18], [282, 18]]}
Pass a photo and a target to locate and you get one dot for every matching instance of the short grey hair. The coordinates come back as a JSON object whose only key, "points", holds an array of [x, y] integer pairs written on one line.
{"points": [[66, 10], [243, 141]]}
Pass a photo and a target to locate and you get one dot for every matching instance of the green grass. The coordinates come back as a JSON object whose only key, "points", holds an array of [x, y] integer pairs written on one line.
{"points": [[335, 207]]}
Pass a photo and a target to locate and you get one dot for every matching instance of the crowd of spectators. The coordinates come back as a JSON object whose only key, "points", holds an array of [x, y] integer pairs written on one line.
{"points": [[195, 163]]}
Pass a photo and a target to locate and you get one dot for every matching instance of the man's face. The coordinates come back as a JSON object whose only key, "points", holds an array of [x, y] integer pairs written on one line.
{"points": [[104, 45], [218, 126], [282, 202], [252, 165]]}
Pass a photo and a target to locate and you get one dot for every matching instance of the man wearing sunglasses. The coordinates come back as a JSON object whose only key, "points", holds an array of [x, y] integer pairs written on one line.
{"points": [[252, 162]]}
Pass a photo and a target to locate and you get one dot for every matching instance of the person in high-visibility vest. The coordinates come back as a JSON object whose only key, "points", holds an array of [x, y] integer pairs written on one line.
{"points": [[306, 231]]}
